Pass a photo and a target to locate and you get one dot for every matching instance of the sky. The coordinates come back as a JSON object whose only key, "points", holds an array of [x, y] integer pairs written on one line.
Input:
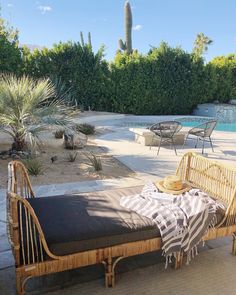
{"points": [[177, 22]]}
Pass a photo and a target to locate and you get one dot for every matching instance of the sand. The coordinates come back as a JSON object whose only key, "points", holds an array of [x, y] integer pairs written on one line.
{"points": [[62, 171]]}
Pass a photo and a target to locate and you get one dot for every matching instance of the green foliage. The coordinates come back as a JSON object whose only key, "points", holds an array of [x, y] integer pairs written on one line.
{"points": [[225, 76], [201, 44], [166, 81], [84, 73], [95, 162], [72, 156], [10, 53], [127, 45], [85, 128], [33, 166], [28, 107]]}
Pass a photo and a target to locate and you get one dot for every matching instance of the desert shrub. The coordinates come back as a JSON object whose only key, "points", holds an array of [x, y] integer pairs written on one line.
{"points": [[33, 166], [59, 133], [94, 161], [85, 128], [72, 157]]}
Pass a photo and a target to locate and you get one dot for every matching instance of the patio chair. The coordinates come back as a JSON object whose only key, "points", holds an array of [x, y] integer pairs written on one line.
{"points": [[202, 132], [165, 132]]}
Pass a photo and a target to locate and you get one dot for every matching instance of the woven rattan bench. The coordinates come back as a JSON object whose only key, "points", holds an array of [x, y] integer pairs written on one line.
{"points": [[31, 249]]}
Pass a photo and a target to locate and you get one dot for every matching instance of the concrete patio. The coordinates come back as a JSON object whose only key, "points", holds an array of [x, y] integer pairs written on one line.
{"points": [[212, 272]]}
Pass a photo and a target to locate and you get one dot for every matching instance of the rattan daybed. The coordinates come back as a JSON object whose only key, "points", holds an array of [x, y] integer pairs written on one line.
{"points": [[39, 249]]}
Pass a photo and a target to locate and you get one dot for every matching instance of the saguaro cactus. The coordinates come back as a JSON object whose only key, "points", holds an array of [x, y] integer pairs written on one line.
{"points": [[127, 45]]}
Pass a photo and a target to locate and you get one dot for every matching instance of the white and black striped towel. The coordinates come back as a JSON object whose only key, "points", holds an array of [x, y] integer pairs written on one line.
{"points": [[182, 219]]}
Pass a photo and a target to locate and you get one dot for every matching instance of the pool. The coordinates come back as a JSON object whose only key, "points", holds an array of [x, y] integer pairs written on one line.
{"points": [[221, 126], [185, 121]]}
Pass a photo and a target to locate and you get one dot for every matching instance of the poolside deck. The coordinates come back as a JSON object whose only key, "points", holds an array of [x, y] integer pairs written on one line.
{"points": [[212, 272]]}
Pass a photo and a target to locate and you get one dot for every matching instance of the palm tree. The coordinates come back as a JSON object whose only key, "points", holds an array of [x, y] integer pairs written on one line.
{"points": [[201, 44], [28, 107]]}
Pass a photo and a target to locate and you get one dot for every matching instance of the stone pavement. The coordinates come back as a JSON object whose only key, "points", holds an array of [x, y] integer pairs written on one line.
{"points": [[211, 273]]}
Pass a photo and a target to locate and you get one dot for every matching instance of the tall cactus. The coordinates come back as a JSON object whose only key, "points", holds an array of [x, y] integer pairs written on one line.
{"points": [[127, 45]]}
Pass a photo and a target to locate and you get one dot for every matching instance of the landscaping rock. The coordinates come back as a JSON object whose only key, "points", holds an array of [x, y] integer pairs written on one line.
{"points": [[4, 157], [53, 159], [4, 153], [15, 156], [74, 140]]}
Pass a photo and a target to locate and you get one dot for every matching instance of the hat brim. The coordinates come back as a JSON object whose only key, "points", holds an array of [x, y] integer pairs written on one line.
{"points": [[160, 186]]}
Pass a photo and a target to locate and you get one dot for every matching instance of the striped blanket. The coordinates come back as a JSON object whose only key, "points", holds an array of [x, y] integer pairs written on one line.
{"points": [[182, 219]]}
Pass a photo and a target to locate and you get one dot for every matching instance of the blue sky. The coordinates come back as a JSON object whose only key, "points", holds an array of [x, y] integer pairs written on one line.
{"points": [[177, 22]]}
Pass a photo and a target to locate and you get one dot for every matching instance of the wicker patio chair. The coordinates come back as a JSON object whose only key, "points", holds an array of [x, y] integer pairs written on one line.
{"points": [[165, 132], [202, 132]]}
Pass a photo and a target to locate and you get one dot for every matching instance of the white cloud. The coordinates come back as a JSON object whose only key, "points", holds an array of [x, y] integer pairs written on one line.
{"points": [[137, 28], [44, 9], [10, 5]]}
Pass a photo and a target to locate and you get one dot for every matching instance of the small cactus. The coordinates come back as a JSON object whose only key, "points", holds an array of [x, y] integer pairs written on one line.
{"points": [[82, 40], [89, 39], [127, 45]]}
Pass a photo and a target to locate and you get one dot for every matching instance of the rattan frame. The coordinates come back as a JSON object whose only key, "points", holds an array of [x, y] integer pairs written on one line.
{"points": [[216, 179]]}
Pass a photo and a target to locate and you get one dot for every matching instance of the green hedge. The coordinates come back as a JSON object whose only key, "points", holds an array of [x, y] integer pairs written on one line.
{"points": [[225, 77], [81, 70], [165, 81]]}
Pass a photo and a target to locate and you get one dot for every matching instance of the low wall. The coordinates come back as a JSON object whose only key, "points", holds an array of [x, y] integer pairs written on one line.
{"points": [[223, 112]]}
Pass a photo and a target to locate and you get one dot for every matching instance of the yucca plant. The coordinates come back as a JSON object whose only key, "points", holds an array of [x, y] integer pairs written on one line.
{"points": [[94, 161], [28, 107], [33, 166], [72, 156]]}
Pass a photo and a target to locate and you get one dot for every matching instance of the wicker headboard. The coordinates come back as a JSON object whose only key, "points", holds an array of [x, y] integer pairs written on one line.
{"points": [[24, 230], [219, 180]]}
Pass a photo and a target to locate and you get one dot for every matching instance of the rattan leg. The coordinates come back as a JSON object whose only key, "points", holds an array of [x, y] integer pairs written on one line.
{"points": [[110, 271], [178, 260], [21, 281], [234, 244], [19, 284]]}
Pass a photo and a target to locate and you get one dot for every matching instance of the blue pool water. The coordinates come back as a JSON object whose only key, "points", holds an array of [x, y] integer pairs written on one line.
{"points": [[186, 122], [221, 126]]}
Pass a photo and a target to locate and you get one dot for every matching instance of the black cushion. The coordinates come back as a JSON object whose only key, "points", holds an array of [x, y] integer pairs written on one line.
{"points": [[75, 223]]}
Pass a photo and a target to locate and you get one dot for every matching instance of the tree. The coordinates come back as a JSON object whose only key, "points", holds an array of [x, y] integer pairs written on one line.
{"points": [[10, 53], [27, 108], [201, 44]]}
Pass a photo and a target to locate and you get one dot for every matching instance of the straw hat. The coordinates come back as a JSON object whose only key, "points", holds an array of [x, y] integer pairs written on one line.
{"points": [[173, 185]]}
